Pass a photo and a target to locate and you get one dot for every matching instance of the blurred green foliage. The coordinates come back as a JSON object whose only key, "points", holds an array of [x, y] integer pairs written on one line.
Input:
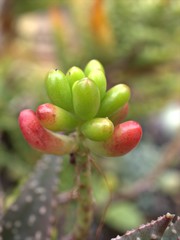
{"points": [[17, 91]]}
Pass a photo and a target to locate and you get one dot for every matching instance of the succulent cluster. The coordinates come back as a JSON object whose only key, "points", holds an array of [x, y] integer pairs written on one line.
{"points": [[81, 103]]}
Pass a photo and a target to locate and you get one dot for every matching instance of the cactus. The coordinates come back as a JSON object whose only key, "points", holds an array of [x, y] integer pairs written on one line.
{"points": [[173, 231], [160, 229], [29, 217]]}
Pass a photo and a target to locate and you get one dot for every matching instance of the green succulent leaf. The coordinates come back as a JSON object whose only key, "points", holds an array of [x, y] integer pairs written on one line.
{"points": [[114, 99], [98, 129], [58, 89], [55, 118], [74, 74], [86, 99], [93, 65], [99, 78]]}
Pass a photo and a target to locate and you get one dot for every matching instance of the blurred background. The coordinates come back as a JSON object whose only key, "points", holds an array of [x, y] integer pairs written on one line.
{"points": [[138, 42]]}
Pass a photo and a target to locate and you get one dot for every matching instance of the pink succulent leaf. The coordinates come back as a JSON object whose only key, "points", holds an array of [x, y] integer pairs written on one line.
{"points": [[120, 115], [125, 138], [42, 139]]}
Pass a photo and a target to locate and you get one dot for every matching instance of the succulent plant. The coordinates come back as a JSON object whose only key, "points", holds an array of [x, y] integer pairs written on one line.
{"points": [[160, 229], [78, 122], [29, 217], [83, 120], [81, 104]]}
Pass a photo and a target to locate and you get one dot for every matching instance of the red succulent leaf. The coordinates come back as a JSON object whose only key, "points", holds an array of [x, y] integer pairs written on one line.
{"points": [[42, 139], [120, 115], [55, 118], [125, 137]]}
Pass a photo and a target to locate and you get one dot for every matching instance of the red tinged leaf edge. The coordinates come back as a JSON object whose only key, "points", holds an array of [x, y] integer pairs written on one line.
{"points": [[46, 112], [42, 139], [120, 115], [55, 118], [125, 138]]}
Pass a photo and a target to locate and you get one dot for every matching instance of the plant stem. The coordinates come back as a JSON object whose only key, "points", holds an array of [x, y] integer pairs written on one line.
{"points": [[85, 203]]}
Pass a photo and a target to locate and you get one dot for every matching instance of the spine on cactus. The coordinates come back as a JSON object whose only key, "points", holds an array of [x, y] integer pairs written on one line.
{"points": [[42, 139], [125, 137]]}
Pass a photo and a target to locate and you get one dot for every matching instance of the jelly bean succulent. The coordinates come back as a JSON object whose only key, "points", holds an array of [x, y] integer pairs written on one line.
{"points": [[82, 113], [85, 120]]}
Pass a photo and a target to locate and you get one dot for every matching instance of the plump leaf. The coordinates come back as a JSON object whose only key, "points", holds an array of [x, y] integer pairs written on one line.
{"points": [[98, 129], [74, 74], [99, 78], [28, 218], [40, 138], [114, 99], [58, 89], [93, 65], [86, 99], [55, 118], [125, 138]]}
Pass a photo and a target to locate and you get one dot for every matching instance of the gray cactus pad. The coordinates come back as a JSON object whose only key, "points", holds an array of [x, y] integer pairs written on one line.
{"points": [[154, 230], [29, 218]]}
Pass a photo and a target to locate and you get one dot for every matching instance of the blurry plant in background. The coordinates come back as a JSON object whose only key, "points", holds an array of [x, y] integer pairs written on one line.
{"points": [[138, 42]]}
